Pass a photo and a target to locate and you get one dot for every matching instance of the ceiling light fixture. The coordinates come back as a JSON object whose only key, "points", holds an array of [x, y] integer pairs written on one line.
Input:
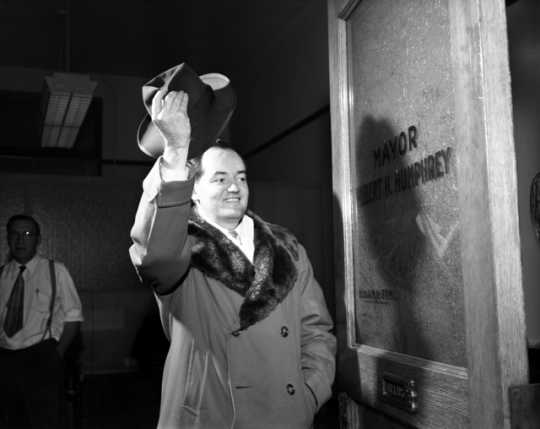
{"points": [[67, 97]]}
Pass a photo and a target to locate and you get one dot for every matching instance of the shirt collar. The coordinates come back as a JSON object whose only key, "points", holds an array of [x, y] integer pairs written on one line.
{"points": [[30, 265], [242, 229], [245, 229]]}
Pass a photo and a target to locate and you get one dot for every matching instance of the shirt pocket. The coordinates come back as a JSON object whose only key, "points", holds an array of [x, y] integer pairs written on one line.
{"points": [[41, 301]]}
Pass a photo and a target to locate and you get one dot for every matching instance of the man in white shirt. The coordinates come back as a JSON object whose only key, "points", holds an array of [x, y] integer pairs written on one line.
{"points": [[40, 316]]}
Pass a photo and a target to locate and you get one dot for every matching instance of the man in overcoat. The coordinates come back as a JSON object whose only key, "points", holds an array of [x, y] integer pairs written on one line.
{"points": [[250, 341]]}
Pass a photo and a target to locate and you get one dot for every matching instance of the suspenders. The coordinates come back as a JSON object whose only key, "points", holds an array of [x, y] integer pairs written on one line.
{"points": [[53, 298], [52, 273]]}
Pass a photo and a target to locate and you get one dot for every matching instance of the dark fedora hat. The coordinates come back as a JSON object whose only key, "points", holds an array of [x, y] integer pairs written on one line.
{"points": [[211, 104]]}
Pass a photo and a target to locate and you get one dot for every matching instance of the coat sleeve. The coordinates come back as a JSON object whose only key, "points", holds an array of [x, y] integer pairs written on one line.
{"points": [[318, 344], [160, 251]]}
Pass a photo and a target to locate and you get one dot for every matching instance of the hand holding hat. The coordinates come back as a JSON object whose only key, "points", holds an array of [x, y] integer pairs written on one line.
{"points": [[210, 104], [169, 115]]}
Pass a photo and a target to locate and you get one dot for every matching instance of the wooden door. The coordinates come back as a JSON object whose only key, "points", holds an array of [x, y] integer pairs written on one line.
{"points": [[430, 309]]}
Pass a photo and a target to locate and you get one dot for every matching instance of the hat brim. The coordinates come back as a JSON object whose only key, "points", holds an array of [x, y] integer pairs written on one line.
{"points": [[208, 120]]}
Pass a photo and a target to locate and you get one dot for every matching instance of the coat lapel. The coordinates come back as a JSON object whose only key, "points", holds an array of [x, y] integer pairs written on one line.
{"points": [[263, 284]]}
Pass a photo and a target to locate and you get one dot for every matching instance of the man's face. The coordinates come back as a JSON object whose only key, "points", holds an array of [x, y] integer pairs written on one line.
{"points": [[221, 193], [23, 240]]}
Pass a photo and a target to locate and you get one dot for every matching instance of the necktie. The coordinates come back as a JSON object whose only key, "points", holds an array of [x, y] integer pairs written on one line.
{"points": [[236, 236], [13, 322]]}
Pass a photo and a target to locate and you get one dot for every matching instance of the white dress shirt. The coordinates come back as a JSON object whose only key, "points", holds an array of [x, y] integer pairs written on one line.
{"points": [[244, 237], [37, 299]]}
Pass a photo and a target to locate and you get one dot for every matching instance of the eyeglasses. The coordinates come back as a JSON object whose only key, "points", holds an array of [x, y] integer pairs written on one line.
{"points": [[25, 235]]}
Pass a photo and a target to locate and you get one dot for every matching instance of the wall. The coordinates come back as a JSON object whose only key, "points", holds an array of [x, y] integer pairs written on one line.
{"points": [[523, 19], [287, 79]]}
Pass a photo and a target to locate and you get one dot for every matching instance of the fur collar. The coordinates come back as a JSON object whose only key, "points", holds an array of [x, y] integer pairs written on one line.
{"points": [[263, 284]]}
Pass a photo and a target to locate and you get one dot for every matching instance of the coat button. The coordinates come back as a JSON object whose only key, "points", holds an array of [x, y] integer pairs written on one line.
{"points": [[284, 331], [290, 389]]}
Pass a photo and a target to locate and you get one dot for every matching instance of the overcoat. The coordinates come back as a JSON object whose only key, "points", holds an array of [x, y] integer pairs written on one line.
{"points": [[250, 343]]}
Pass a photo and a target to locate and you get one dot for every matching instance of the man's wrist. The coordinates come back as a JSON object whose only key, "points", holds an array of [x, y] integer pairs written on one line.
{"points": [[173, 164], [175, 156]]}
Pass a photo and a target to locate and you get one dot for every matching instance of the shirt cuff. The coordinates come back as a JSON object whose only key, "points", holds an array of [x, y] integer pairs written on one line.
{"points": [[158, 178], [74, 315]]}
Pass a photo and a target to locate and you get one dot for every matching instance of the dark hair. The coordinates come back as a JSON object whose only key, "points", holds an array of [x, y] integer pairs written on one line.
{"points": [[194, 164], [26, 217]]}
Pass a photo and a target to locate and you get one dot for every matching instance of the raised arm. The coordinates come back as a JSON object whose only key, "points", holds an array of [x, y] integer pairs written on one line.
{"points": [[160, 252]]}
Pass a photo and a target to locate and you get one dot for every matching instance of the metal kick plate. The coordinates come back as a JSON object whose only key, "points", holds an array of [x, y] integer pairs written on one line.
{"points": [[399, 392]]}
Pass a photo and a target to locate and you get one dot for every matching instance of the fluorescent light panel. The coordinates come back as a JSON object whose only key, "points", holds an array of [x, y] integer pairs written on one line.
{"points": [[68, 99]]}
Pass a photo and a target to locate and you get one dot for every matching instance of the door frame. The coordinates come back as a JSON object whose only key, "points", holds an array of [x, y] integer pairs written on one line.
{"points": [[495, 334]]}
